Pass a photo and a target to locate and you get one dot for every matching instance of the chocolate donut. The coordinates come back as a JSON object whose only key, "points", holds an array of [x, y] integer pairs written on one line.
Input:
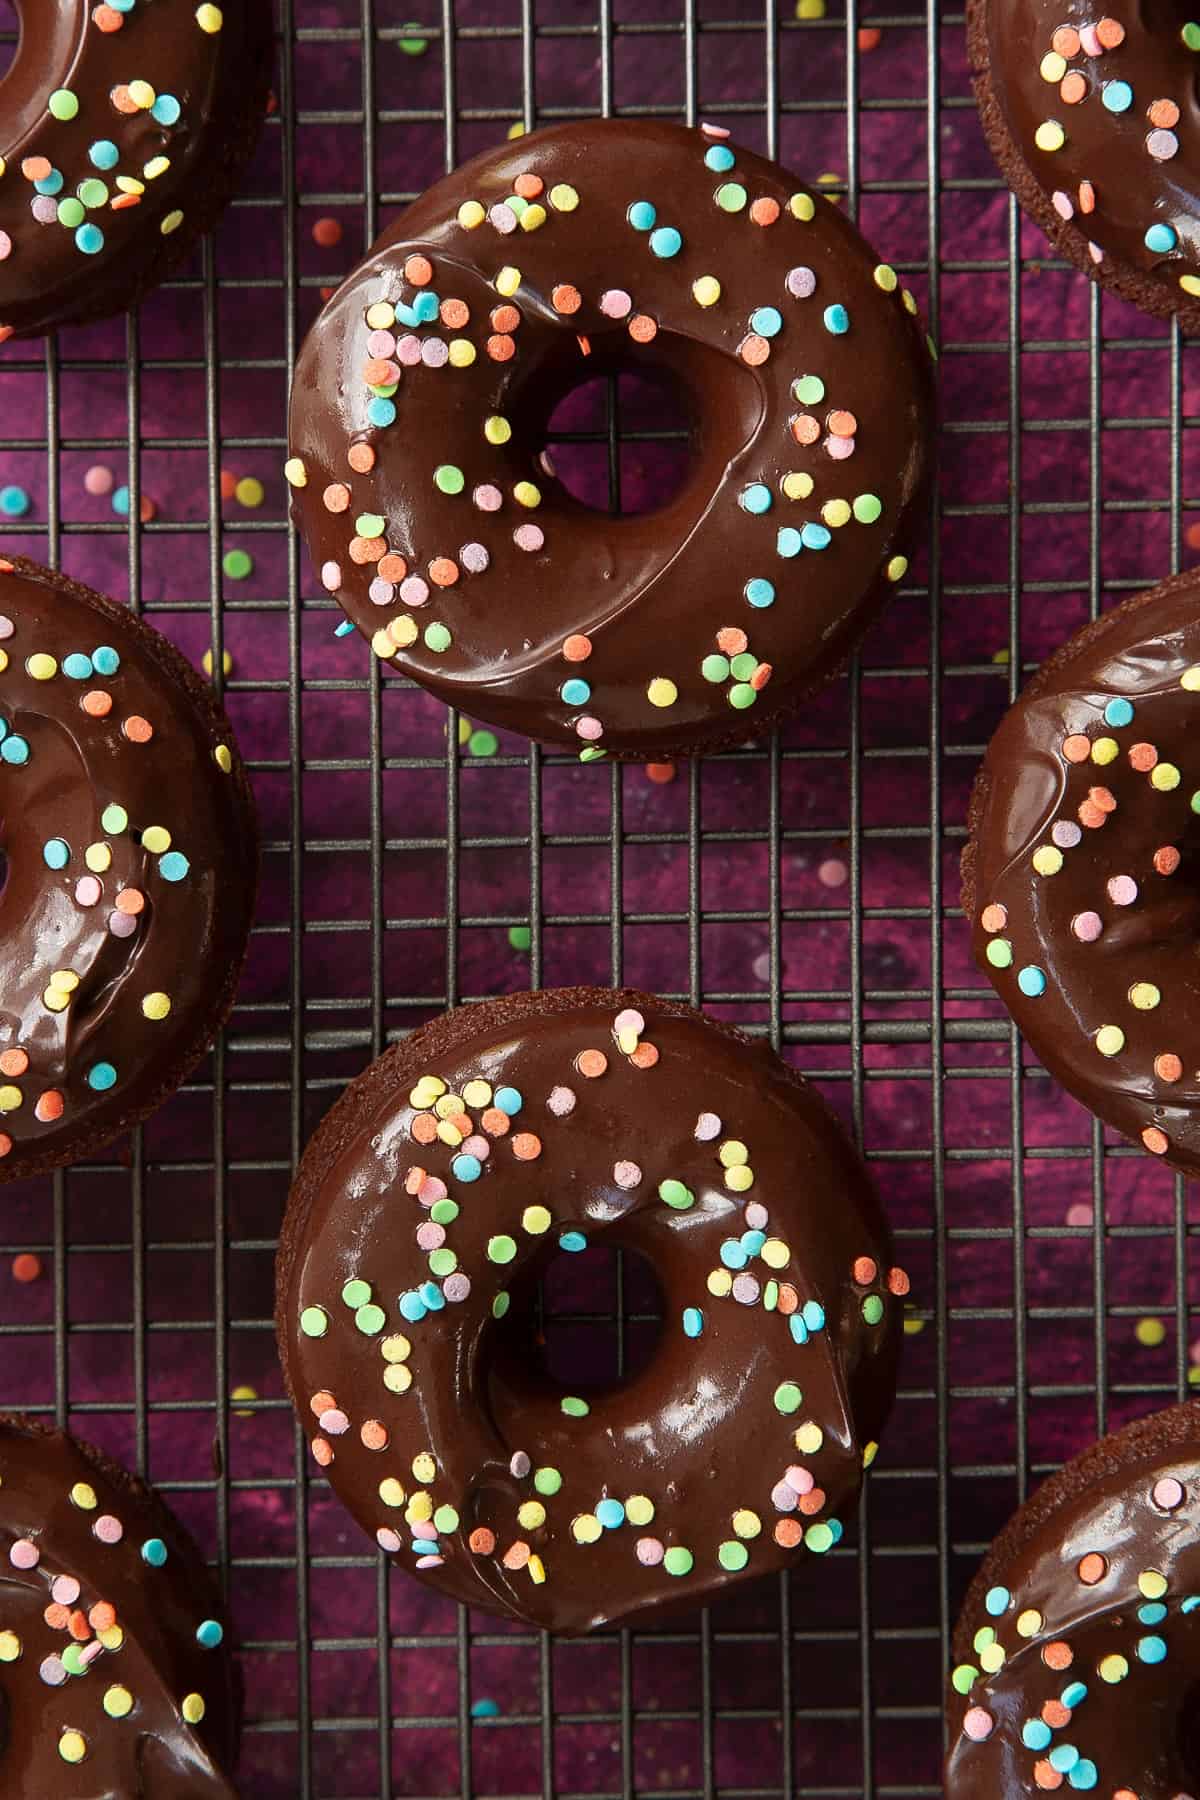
{"points": [[1078, 1649], [1080, 874], [1094, 119], [419, 418], [115, 1675], [449, 1175], [123, 128], [128, 829]]}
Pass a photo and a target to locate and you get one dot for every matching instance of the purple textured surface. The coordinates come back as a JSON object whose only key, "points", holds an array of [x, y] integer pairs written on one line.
{"points": [[808, 888]]}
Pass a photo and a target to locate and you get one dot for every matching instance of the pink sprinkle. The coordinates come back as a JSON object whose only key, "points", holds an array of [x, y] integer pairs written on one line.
{"points": [[122, 925], [474, 558], [488, 498], [456, 1287], [429, 1562], [334, 1421], [387, 1539], [1162, 145], [91, 1651], [44, 209], [408, 350], [713, 131], [65, 1590], [108, 1529], [382, 592], [756, 1215], [615, 303], [1087, 926], [978, 1724], [99, 479], [801, 282], [561, 1101], [5, 246], [833, 872], [519, 1465], [650, 1551], [1063, 205], [6, 626], [480, 1147], [53, 1670], [529, 537], [331, 576], [426, 1529], [434, 353], [431, 1189], [503, 218], [1090, 41], [588, 728], [1122, 890], [414, 590], [745, 1289], [1096, 253], [626, 1174], [546, 464], [24, 1555], [1079, 1213], [799, 1480], [783, 1497], [1168, 1493], [629, 1020], [430, 1236], [381, 345], [839, 448], [707, 1127], [87, 890], [1066, 833]]}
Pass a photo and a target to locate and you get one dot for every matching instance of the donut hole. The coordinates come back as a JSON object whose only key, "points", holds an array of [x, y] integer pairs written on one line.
{"points": [[587, 1321], [622, 443]]}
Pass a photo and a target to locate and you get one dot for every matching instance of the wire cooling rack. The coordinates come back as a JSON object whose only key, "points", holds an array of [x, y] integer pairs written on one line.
{"points": [[805, 888]]}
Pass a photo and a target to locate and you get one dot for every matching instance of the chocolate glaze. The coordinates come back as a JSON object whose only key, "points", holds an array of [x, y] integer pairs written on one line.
{"points": [[700, 1432], [1132, 1504], [1029, 787], [652, 592], [150, 1752], [189, 936], [1133, 190], [219, 80]]}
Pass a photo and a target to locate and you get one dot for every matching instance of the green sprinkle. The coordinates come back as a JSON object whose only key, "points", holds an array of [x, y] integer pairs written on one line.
{"points": [[446, 1518], [1195, 801], [867, 508], [964, 1678], [675, 1195], [771, 1296], [449, 478], [787, 1397], [444, 1212], [731, 196], [369, 525], [809, 389], [999, 953], [872, 1309], [413, 46], [356, 1293], [742, 696], [70, 212], [437, 637], [483, 743], [1191, 36], [63, 103], [520, 937], [819, 1538], [370, 1319], [500, 1305], [742, 667], [732, 1555], [715, 668], [501, 1249], [591, 753], [314, 1321], [442, 1262], [237, 564], [93, 193], [71, 1659], [678, 1561], [547, 1480], [574, 1407], [114, 818]]}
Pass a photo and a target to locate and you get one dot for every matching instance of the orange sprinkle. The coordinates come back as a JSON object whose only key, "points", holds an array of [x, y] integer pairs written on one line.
{"points": [[528, 185], [788, 1533], [102, 1616], [754, 350], [585, 345], [501, 347], [1056, 1715], [843, 424], [418, 270], [865, 1270], [1168, 1067], [336, 497], [1046, 1776], [26, 1267], [1087, 196], [14, 1062], [454, 313], [1104, 798], [994, 917], [5, 1149], [56, 1616], [49, 1106], [104, 18], [1164, 114], [1073, 87], [35, 168], [811, 1503], [760, 677], [1066, 41], [122, 202], [482, 1541], [424, 1128], [122, 100], [361, 458], [805, 429], [645, 1056], [377, 372], [788, 1300], [1092, 1568], [565, 298], [1090, 815], [643, 329], [1155, 1140], [1143, 757], [1058, 1655], [591, 1063], [660, 773], [1111, 33], [732, 640], [577, 648], [322, 1451], [764, 211], [327, 232], [1077, 748], [869, 38], [130, 900], [443, 571], [898, 1281], [78, 1626], [527, 1146], [505, 318], [495, 1122], [1166, 860], [229, 483], [322, 1402], [392, 567], [373, 1434], [137, 729], [517, 1555], [367, 550]]}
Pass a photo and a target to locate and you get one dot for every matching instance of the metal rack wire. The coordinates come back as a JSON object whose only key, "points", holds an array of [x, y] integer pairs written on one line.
{"points": [[398, 861]]}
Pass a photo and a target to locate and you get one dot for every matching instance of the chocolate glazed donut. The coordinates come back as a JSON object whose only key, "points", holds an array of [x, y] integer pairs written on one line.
{"points": [[123, 129], [1078, 1648], [1080, 874], [1094, 118], [449, 1175], [128, 830], [420, 410]]}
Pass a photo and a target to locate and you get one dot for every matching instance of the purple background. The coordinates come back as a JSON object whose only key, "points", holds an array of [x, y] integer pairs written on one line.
{"points": [[823, 870]]}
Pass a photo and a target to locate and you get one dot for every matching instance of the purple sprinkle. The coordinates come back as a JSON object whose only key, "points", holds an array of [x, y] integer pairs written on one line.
{"points": [[519, 1465], [428, 1562], [456, 1287], [408, 350], [434, 353], [1162, 145], [387, 1540], [6, 626], [108, 1529], [24, 1555], [53, 1671], [331, 576], [65, 1590], [801, 282], [1122, 890], [615, 303], [382, 592], [529, 537], [650, 1551], [381, 345], [477, 1146], [756, 1216], [745, 1289], [561, 1101], [430, 1236], [414, 590], [474, 558], [488, 498], [1087, 926], [708, 1127], [503, 218], [1066, 833], [91, 1651], [784, 1497], [44, 209], [122, 925], [626, 1174], [334, 1421]]}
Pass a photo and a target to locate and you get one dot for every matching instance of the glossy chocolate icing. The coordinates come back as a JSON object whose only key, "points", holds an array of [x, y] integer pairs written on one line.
{"points": [[85, 897], [1138, 168], [1094, 1587], [709, 1429], [156, 173], [1066, 779], [649, 593], [144, 1670]]}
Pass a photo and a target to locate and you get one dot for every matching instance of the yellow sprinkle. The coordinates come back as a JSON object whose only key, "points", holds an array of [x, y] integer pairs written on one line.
{"points": [[537, 1570], [142, 94], [381, 315], [1190, 284], [563, 197], [98, 857], [449, 1133], [83, 1495], [531, 1514], [450, 1106], [533, 217], [54, 1000], [706, 290], [586, 1528], [497, 430], [382, 645], [740, 1180], [1144, 995], [156, 839], [156, 1006], [461, 353], [802, 206], [397, 1379], [471, 215], [118, 1701], [662, 691], [1050, 136], [1190, 679], [129, 184], [515, 130], [1110, 1040], [639, 1510], [1105, 750], [172, 221], [193, 1708], [870, 1452], [395, 1349], [249, 491], [797, 485], [244, 1391], [3, 660], [720, 1281], [10, 1646], [1029, 1623], [420, 1508], [477, 1093], [1164, 776], [837, 512], [775, 1253], [508, 281], [295, 473], [112, 1637], [41, 666], [206, 662], [158, 165], [992, 1658], [733, 1154], [64, 981], [12, 1097], [535, 1220], [913, 1327], [809, 1438], [391, 1492], [886, 278], [746, 1524], [402, 631], [209, 18], [1150, 1333], [1053, 67], [72, 1746], [627, 1041], [423, 1466], [910, 301], [810, 9], [897, 569], [1047, 859], [1113, 1669], [1152, 1584]]}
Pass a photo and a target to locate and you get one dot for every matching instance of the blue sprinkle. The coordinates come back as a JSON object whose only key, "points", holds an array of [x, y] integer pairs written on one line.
{"points": [[104, 154], [1031, 980], [836, 1530], [756, 498], [154, 1552], [90, 239], [572, 1241], [1190, 1604], [381, 412], [753, 1241], [173, 866], [56, 854], [467, 1167], [1119, 712], [120, 501], [837, 320], [1117, 96], [77, 666], [344, 629], [105, 660], [412, 1308], [760, 591], [814, 1315], [51, 183], [798, 1328], [767, 321], [575, 692], [1151, 1650], [509, 1100], [666, 242], [719, 158], [610, 1514], [1063, 1757], [1035, 1734], [485, 1709], [997, 1600], [425, 307], [641, 215], [166, 109], [1162, 239], [14, 502], [431, 1296], [693, 1321], [732, 1254], [789, 542], [1084, 1775], [1153, 1613], [3, 729], [15, 749], [425, 1547], [816, 537], [1074, 1694], [210, 1633], [101, 1076]]}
